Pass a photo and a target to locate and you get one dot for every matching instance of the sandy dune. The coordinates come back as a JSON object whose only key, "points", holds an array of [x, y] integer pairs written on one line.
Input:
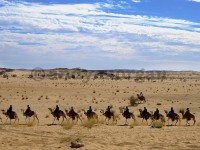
{"points": [[40, 95]]}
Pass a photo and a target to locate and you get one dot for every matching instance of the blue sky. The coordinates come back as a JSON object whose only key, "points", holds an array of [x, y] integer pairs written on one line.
{"points": [[106, 34]]}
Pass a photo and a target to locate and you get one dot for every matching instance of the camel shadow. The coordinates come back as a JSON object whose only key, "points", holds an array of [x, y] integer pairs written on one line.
{"points": [[53, 124]]}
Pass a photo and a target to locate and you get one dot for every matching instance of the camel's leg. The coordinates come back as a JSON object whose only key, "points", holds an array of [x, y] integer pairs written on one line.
{"points": [[25, 119], [37, 118], [18, 119], [79, 119], [33, 118], [168, 121], [194, 121], [176, 122], [147, 121], [53, 120], [62, 119], [6, 120], [126, 122], [105, 120]]}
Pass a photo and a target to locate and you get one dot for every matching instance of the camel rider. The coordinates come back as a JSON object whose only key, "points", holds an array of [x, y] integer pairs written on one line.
{"points": [[187, 113], [141, 94], [89, 112], [108, 111], [144, 112], [126, 112], [56, 112], [171, 113], [156, 114], [27, 110], [72, 112], [9, 110]]}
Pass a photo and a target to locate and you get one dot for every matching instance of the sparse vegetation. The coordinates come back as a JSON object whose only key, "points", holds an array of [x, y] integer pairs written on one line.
{"points": [[31, 124], [89, 123], [68, 125], [157, 124], [133, 101]]}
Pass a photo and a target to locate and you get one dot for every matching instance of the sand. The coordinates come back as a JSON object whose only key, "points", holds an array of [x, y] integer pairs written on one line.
{"points": [[41, 95]]}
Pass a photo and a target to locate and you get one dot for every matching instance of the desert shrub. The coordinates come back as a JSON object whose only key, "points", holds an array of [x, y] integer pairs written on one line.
{"points": [[89, 123], [133, 124], [31, 124], [5, 76], [157, 124], [133, 101], [67, 125], [14, 75]]}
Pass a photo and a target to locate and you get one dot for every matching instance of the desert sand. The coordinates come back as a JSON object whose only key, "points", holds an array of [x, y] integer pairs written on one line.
{"points": [[20, 91]]}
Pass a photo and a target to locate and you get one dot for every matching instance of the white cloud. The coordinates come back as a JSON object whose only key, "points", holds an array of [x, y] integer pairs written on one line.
{"points": [[195, 0], [136, 1], [85, 29]]}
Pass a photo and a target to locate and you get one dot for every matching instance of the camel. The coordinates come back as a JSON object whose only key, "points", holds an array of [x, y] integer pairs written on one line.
{"points": [[108, 116], [187, 117], [11, 115], [93, 115], [127, 116], [145, 116], [61, 114], [161, 117], [177, 118], [73, 116], [141, 98], [29, 115]]}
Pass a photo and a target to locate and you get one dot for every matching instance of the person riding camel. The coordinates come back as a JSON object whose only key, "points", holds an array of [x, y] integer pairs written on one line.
{"points": [[171, 113], [108, 112], [187, 113], [89, 112], [144, 112], [156, 114], [126, 112], [72, 113], [28, 110], [9, 111], [56, 112], [141, 94]]}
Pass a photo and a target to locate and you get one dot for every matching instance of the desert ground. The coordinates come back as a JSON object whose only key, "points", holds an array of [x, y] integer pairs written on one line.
{"points": [[19, 91]]}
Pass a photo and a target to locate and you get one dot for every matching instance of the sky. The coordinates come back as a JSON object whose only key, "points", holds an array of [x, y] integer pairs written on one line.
{"points": [[106, 34]]}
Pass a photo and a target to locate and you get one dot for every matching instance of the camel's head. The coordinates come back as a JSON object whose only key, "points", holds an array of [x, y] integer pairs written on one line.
{"points": [[166, 111], [3, 111], [50, 109], [102, 111], [151, 112], [140, 110]]}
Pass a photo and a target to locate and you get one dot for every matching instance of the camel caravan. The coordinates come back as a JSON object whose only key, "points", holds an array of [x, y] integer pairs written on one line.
{"points": [[109, 114]]}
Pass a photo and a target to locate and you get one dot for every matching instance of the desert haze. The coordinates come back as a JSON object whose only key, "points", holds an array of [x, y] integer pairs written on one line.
{"points": [[19, 88]]}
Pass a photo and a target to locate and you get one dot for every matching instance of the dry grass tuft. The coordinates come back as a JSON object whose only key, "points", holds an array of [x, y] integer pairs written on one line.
{"points": [[89, 123], [68, 125], [47, 116], [133, 101], [157, 124], [136, 123], [31, 124]]}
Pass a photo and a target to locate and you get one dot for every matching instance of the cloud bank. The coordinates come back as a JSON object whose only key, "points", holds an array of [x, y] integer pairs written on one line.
{"points": [[85, 35]]}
